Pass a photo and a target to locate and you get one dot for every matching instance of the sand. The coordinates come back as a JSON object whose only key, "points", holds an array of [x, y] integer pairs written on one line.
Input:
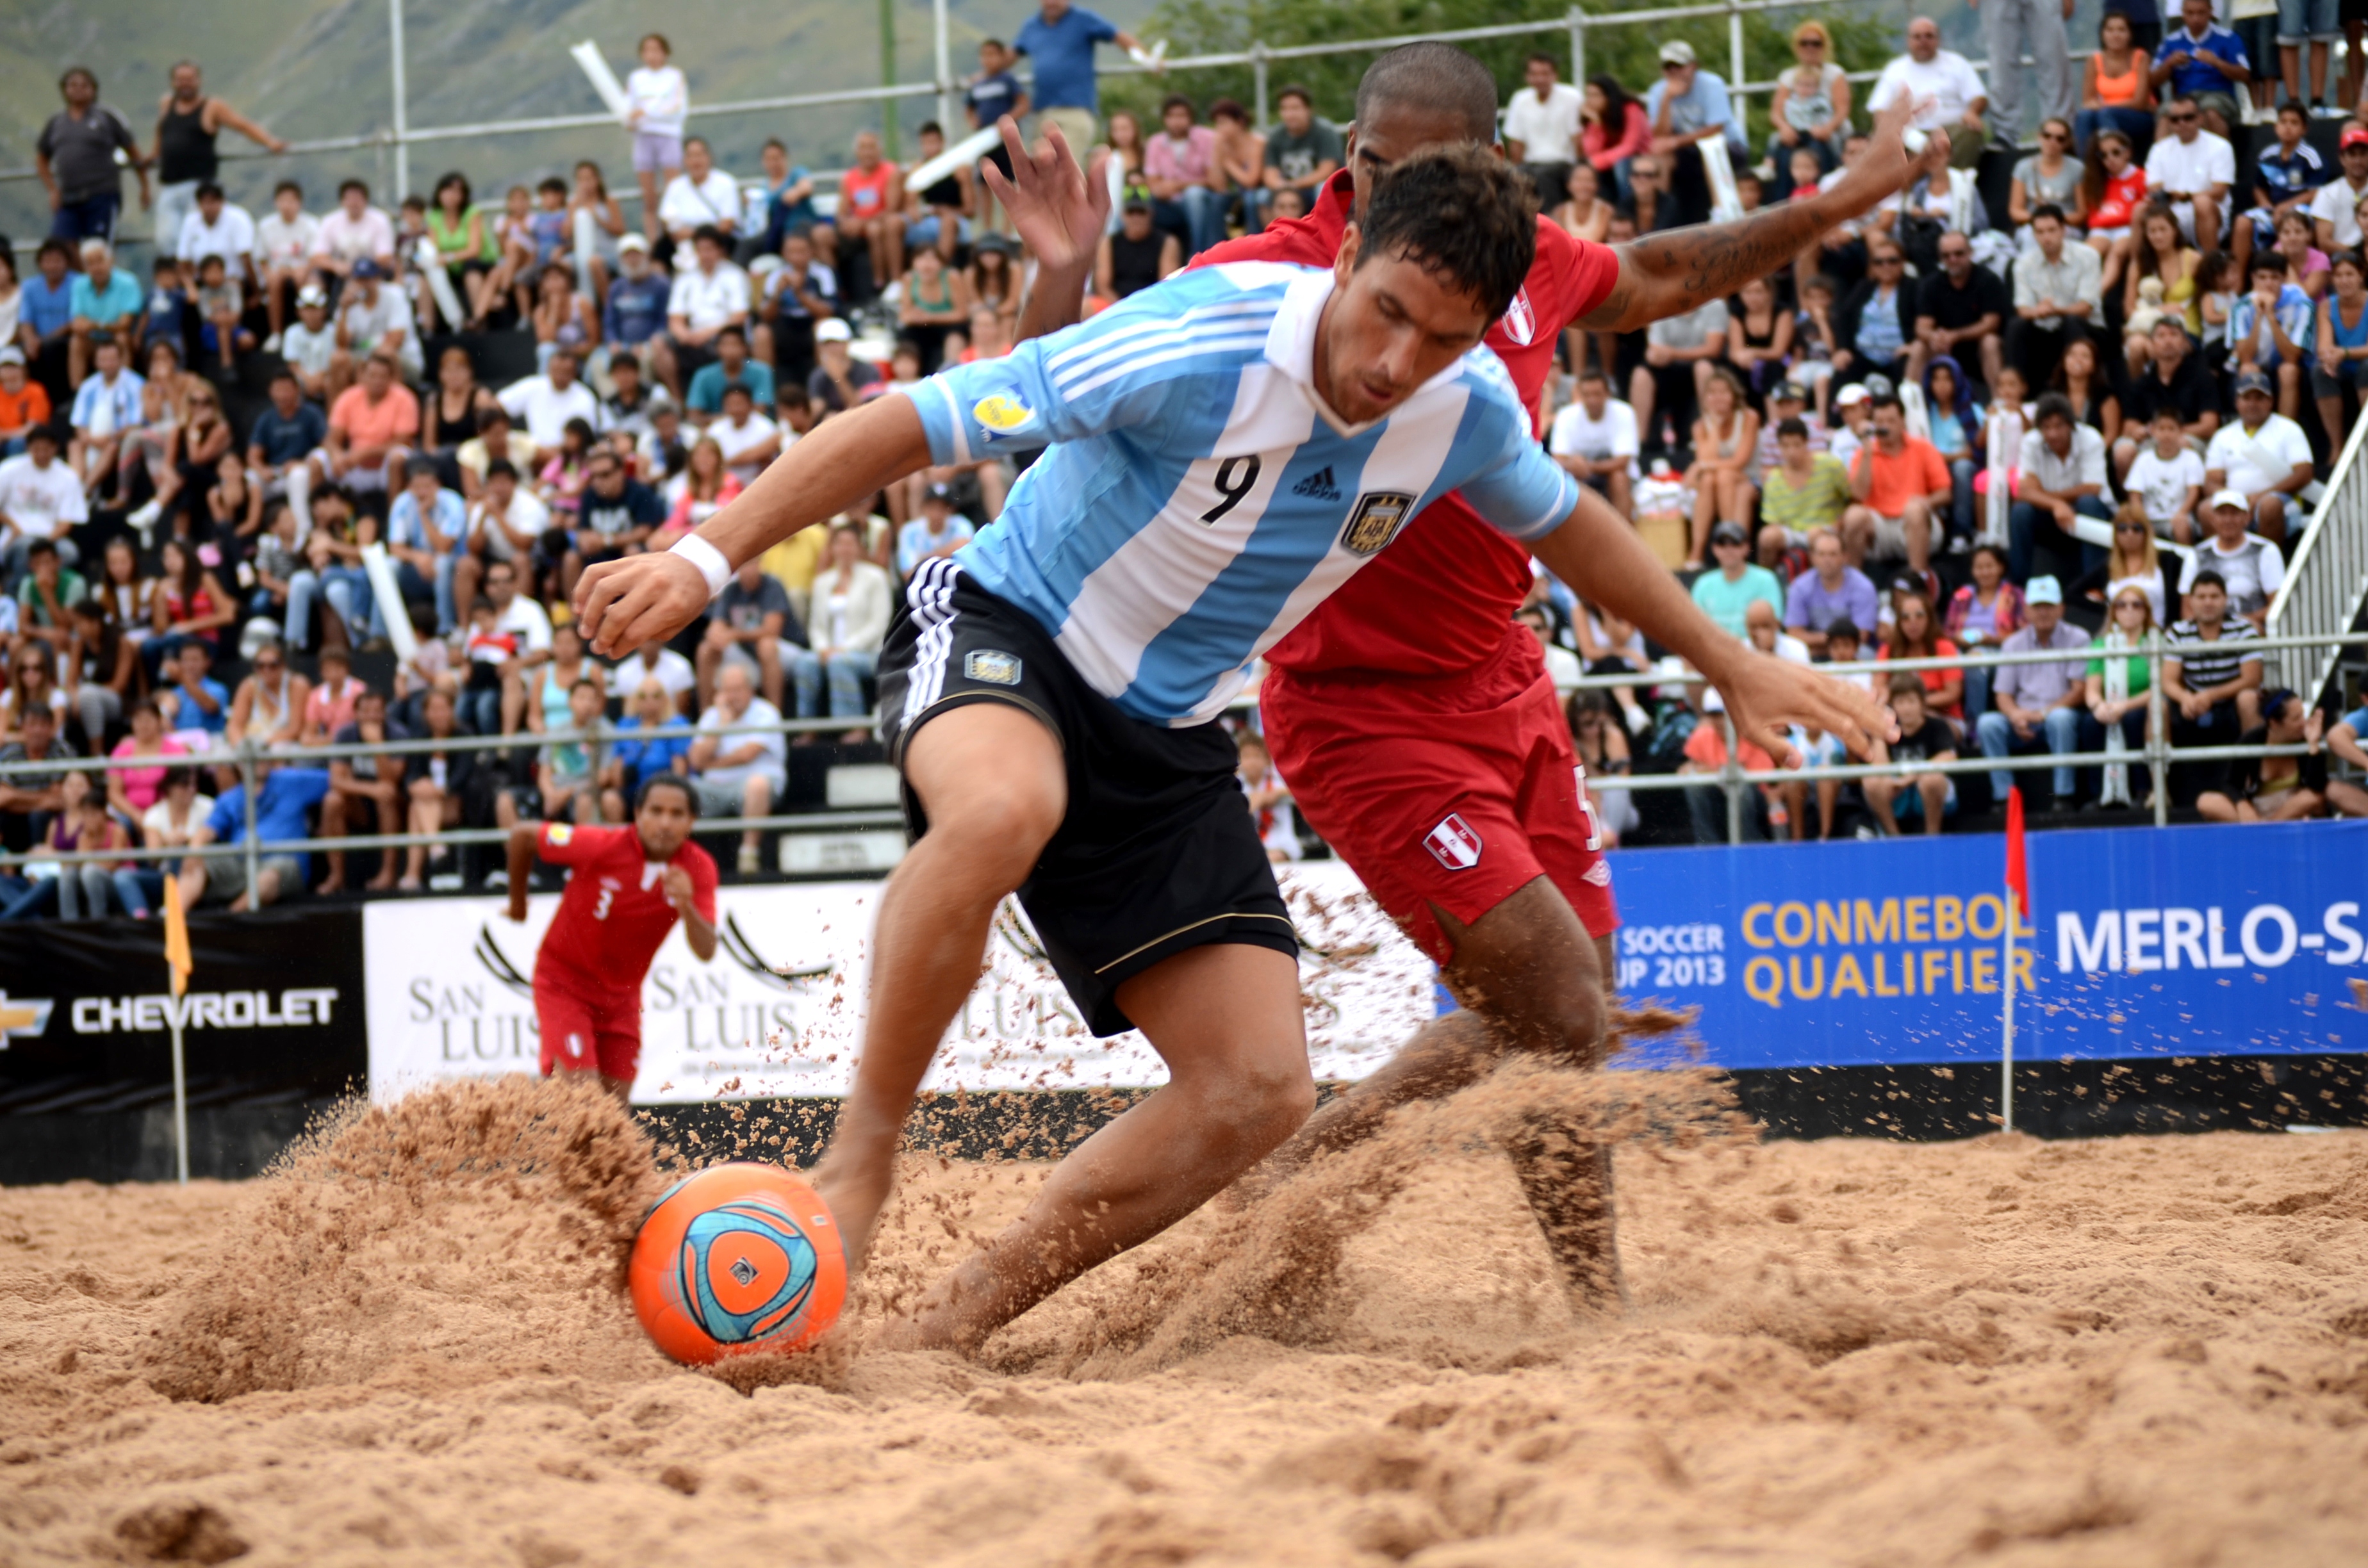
{"points": [[410, 1348]]}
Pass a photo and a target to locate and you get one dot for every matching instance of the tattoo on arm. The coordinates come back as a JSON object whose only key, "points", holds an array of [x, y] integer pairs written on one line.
{"points": [[1671, 273]]}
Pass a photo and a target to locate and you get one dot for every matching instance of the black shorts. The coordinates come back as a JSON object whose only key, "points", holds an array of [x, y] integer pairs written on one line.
{"points": [[1158, 853]]}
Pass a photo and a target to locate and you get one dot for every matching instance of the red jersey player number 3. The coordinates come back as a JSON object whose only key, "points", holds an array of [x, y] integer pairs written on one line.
{"points": [[627, 887]]}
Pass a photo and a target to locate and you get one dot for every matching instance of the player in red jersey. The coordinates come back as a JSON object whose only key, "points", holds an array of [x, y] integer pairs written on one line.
{"points": [[1418, 730], [630, 886]]}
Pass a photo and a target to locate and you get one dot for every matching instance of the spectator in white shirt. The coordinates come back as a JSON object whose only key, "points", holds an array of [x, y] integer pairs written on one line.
{"points": [[354, 231], [2335, 210], [40, 498], [1542, 131], [2249, 566], [1948, 80], [373, 318], [2262, 454], [658, 101], [1595, 439], [739, 775], [105, 406], [2193, 170], [747, 439], [546, 403], [701, 196], [656, 661], [708, 296], [218, 228], [283, 253], [1562, 664], [311, 346]]}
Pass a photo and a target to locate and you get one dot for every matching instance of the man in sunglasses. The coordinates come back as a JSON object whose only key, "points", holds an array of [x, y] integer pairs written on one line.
{"points": [[1962, 305], [2192, 169], [1688, 107]]}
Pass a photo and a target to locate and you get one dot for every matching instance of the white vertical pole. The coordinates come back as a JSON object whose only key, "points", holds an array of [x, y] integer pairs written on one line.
{"points": [[945, 73], [401, 118], [181, 1092], [2006, 1071], [1735, 60]]}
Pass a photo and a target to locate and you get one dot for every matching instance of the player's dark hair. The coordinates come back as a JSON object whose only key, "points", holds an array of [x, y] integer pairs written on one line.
{"points": [[2208, 575], [1846, 628], [2052, 405], [1792, 427], [2272, 261], [666, 781], [1460, 213], [2047, 210], [1432, 79]]}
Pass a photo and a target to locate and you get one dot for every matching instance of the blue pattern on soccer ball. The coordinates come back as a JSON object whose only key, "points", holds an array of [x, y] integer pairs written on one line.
{"points": [[715, 1227]]}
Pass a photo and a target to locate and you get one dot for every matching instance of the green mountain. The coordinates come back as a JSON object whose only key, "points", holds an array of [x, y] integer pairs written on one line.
{"points": [[308, 69]]}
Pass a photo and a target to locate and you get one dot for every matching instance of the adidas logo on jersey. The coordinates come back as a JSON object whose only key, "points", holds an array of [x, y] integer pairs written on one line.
{"points": [[1319, 486]]}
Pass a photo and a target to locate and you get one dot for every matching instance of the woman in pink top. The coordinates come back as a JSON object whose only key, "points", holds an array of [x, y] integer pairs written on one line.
{"points": [[330, 707], [1614, 129], [131, 790], [1181, 166]]}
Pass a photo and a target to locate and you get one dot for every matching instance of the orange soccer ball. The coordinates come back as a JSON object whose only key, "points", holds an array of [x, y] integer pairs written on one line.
{"points": [[740, 1258]]}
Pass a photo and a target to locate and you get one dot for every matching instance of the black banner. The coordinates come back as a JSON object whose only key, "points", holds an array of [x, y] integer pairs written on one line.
{"points": [[273, 1015]]}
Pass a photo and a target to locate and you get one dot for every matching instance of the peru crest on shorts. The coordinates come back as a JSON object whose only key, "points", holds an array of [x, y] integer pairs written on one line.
{"points": [[1453, 844]]}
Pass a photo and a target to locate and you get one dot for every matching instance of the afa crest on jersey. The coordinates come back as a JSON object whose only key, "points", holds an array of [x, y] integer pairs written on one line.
{"points": [[1379, 516], [1519, 322]]}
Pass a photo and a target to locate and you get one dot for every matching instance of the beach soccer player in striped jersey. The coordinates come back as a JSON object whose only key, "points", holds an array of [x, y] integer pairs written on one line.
{"points": [[1220, 453], [1417, 727]]}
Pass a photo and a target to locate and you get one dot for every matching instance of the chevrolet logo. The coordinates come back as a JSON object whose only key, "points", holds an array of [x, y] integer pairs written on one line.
{"points": [[27, 1015]]}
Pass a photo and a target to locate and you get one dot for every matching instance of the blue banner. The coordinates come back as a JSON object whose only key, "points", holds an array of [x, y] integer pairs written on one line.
{"points": [[2183, 941]]}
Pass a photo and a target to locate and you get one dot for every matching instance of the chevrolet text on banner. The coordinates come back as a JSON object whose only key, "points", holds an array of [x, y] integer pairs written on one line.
{"points": [[2186, 942], [779, 1010]]}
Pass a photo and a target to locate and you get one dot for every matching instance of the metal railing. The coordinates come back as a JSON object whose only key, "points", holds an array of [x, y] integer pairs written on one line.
{"points": [[2157, 756], [2327, 581], [1259, 57]]}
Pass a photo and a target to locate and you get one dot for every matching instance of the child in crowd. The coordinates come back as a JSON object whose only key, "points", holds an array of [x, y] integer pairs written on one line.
{"points": [[1814, 341], [2167, 477], [221, 300], [1270, 800], [1923, 737], [549, 227], [166, 299], [2217, 275], [569, 773], [409, 231], [514, 237]]}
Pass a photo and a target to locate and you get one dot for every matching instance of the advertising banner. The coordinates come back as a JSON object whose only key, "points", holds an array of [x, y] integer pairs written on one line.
{"points": [[779, 1010], [2184, 941], [274, 1008]]}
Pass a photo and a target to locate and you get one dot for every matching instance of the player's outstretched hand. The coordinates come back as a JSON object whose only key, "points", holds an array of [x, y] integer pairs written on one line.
{"points": [[1766, 696], [1888, 166], [622, 604], [1059, 208]]}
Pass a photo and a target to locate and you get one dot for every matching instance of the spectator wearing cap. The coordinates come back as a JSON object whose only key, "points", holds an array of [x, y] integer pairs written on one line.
{"points": [[841, 380], [1945, 83], [1831, 590], [1961, 310], [2058, 293], [1542, 129], [2063, 477], [373, 318], [1594, 439], [2212, 680], [355, 232], [1733, 583], [2038, 705], [309, 346], [2262, 455], [2249, 566], [939, 530], [633, 316], [1135, 255], [2262, 788], [1686, 108], [708, 296], [1901, 488], [2203, 63], [284, 238], [75, 157], [2335, 210], [1854, 410]]}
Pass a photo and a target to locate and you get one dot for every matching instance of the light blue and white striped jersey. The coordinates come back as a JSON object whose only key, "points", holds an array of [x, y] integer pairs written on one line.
{"points": [[1198, 499]]}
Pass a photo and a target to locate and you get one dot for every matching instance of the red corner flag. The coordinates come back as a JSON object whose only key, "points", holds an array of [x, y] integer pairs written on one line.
{"points": [[2018, 880]]}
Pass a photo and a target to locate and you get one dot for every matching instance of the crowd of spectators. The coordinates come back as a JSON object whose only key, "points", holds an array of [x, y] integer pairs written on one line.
{"points": [[329, 477]]}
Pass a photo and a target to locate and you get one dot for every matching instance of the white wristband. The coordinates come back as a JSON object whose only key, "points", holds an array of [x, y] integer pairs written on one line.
{"points": [[708, 559]]}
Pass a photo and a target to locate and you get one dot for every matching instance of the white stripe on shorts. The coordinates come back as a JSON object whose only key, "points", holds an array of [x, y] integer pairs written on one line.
{"points": [[931, 596]]}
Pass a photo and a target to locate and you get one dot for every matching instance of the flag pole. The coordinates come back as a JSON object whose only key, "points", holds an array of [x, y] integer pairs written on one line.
{"points": [[177, 965]]}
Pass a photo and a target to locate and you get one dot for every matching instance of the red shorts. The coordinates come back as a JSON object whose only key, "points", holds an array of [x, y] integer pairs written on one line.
{"points": [[1456, 792], [582, 1031]]}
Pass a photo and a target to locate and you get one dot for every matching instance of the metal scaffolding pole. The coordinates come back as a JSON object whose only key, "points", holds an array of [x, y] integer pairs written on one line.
{"points": [[888, 78], [946, 103], [401, 118]]}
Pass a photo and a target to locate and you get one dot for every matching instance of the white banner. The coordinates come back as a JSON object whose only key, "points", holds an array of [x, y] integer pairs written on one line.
{"points": [[779, 1010]]}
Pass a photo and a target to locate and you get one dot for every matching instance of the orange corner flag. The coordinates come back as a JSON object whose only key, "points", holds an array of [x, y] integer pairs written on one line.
{"points": [[177, 935], [2018, 880]]}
